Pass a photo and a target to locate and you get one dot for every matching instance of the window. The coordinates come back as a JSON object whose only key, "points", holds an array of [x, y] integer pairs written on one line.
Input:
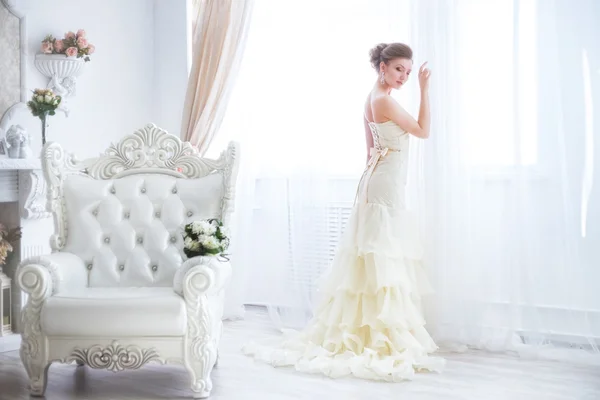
{"points": [[304, 80], [497, 70]]}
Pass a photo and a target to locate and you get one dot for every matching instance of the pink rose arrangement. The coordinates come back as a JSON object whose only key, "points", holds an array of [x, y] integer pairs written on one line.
{"points": [[72, 45]]}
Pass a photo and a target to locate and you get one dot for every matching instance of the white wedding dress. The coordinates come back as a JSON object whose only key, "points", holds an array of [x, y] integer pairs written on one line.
{"points": [[369, 323]]}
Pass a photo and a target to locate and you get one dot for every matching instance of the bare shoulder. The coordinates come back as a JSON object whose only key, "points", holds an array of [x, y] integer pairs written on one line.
{"points": [[384, 101], [384, 106]]}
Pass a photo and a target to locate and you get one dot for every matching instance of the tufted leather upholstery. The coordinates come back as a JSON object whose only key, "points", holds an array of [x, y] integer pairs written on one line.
{"points": [[128, 231], [117, 291]]}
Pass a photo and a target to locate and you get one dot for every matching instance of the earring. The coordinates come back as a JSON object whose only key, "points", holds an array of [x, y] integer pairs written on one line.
{"points": [[382, 80]]}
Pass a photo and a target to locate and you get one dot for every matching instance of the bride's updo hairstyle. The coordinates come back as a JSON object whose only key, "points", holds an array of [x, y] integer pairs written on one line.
{"points": [[387, 52]]}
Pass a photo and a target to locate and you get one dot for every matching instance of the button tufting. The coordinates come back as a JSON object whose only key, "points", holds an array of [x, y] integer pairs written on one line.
{"points": [[173, 239], [95, 212], [189, 213], [154, 268], [106, 240], [143, 190], [157, 214], [174, 190], [126, 215], [121, 267], [89, 267], [140, 240], [112, 190]]}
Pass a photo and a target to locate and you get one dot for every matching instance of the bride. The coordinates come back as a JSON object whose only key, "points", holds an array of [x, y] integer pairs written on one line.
{"points": [[369, 323]]}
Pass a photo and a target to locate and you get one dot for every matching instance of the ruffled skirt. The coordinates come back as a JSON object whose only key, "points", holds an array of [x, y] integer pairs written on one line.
{"points": [[369, 323]]}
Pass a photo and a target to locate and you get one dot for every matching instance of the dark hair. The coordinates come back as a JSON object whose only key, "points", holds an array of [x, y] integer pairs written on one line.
{"points": [[387, 52]]}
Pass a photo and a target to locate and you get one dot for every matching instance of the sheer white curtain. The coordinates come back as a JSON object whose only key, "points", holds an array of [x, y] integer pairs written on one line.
{"points": [[505, 187], [297, 112]]}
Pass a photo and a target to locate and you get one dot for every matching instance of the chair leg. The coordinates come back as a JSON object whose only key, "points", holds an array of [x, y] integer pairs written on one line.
{"points": [[200, 370], [37, 370]]}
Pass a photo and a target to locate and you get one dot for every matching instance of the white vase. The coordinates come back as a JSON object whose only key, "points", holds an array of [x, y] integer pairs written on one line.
{"points": [[61, 70]]}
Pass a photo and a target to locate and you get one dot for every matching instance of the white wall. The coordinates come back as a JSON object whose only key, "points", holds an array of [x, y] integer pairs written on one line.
{"points": [[171, 62], [137, 75], [115, 93]]}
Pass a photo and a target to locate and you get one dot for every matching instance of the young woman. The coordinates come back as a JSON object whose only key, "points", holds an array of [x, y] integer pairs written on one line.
{"points": [[369, 323]]}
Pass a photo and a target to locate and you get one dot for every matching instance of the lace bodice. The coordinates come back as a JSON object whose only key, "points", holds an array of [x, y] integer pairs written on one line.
{"points": [[389, 135]]}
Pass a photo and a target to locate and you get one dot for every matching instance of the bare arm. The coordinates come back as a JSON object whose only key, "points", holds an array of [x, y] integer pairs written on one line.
{"points": [[392, 110], [369, 138], [424, 114]]}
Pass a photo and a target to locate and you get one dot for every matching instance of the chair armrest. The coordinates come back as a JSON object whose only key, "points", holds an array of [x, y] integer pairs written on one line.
{"points": [[51, 273], [201, 275]]}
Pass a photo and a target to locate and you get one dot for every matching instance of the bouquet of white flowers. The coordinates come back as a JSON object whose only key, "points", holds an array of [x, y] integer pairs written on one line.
{"points": [[206, 237]]}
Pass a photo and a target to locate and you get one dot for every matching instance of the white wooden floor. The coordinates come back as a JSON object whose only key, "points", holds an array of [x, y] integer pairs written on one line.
{"points": [[474, 375]]}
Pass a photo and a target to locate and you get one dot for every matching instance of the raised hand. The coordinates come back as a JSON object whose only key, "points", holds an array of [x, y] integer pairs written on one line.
{"points": [[424, 74]]}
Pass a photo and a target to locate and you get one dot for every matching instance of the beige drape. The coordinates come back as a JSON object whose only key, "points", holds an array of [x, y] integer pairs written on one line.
{"points": [[220, 28]]}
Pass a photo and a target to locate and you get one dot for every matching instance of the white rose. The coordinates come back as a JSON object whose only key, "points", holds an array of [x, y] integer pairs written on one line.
{"points": [[207, 228], [40, 99], [191, 244], [48, 99], [211, 243], [197, 228]]}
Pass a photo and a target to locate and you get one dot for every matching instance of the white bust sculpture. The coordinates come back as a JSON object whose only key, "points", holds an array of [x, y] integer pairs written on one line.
{"points": [[18, 141]]}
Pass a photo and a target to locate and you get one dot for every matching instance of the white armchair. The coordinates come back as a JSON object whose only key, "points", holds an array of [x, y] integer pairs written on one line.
{"points": [[117, 291]]}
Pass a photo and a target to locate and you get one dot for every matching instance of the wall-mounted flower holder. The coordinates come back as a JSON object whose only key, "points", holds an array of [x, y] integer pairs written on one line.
{"points": [[62, 72]]}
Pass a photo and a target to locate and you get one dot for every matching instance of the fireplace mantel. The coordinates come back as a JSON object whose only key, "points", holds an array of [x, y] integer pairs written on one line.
{"points": [[13, 164], [22, 181], [23, 203]]}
